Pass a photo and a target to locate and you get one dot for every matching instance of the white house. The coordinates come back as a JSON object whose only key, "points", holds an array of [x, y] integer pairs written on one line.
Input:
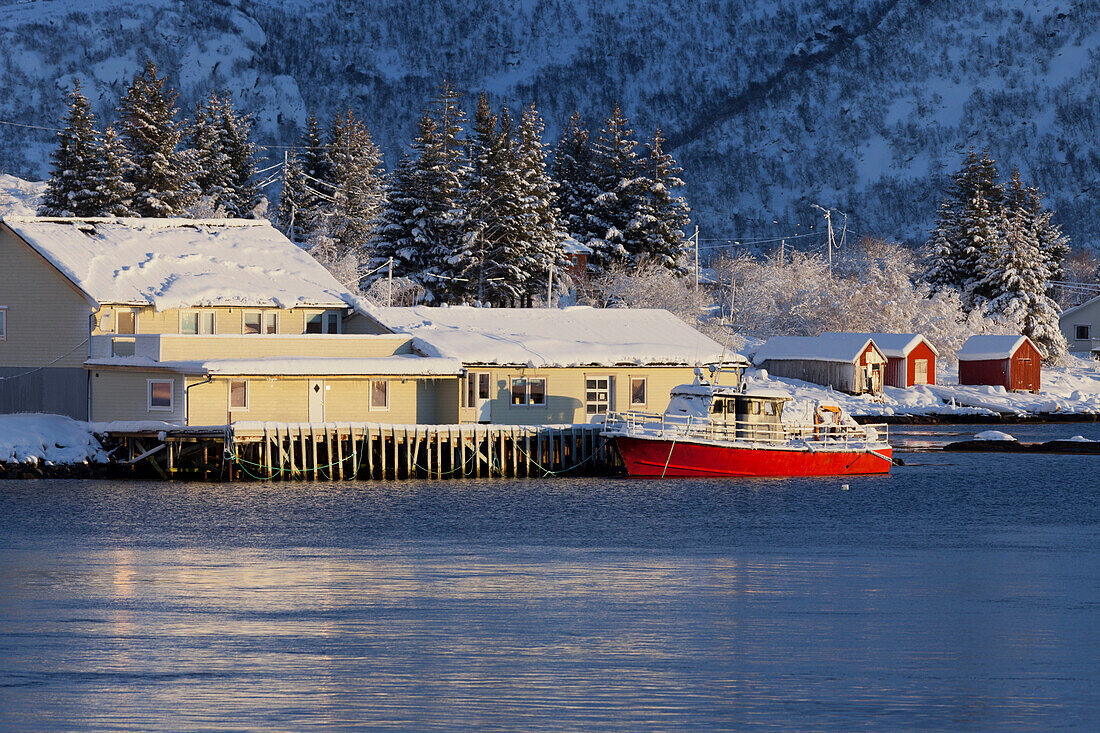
{"points": [[1081, 327]]}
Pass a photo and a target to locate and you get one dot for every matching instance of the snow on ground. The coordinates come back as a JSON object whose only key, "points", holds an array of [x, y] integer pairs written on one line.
{"points": [[30, 438], [1070, 389]]}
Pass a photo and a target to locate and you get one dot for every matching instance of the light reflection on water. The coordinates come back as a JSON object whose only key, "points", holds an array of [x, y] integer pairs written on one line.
{"points": [[960, 593]]}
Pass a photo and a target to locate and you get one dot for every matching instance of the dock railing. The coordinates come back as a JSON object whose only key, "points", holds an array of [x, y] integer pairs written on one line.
{"points": [[687, 427]]}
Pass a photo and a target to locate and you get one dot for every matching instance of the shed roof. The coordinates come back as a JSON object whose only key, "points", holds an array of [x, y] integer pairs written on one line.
{"points": [[983, 348], [176, 263], [893, 345], [546, 337], [838, 347]]}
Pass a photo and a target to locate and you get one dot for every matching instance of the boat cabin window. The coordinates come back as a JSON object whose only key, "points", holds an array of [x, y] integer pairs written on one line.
{"points": [[754, 407], [769, 408], [718, 407]]}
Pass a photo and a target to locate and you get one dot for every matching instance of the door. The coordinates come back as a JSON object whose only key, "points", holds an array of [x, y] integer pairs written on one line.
{"points": [[597, 398], [316, 400], [484, 398], [920, 371]]}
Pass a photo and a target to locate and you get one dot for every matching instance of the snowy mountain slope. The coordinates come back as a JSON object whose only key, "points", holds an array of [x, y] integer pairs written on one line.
{"points": [[864, 105]]}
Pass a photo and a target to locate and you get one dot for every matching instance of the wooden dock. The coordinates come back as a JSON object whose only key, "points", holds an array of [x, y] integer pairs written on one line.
{"points": [[271, 451]]}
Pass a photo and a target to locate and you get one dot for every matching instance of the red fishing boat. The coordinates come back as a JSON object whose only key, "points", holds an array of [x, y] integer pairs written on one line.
{"points": [[715, 430]]}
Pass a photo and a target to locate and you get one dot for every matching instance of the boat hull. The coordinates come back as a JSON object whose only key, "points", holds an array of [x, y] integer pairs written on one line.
{"points": [[659, 457]]}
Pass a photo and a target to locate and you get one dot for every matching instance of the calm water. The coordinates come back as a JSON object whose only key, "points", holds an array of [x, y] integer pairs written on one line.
{"points": [[961, 592]]}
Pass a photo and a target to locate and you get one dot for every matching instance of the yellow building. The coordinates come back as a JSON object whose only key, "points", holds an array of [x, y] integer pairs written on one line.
{"points": [[530, 366], [194, 322]]}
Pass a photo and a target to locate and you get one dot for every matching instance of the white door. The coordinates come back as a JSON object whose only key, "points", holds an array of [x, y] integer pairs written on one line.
{"points": [[597, 398], [316, 400], [484, 401]]}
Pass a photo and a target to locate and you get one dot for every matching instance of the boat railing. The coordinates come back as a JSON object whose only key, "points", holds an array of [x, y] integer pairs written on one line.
{"points": [[682, 427]]}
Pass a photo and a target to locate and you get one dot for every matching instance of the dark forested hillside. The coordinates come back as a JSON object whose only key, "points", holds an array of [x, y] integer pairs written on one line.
{"points": [[865, 106]]}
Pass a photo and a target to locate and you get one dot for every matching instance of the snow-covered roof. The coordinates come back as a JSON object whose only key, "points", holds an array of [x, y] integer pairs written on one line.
{"points": [[840, 347], [545, 337], [893, 345], [176, 263], [572, 247], [1076, 308], [295, 366], [982, 348]]}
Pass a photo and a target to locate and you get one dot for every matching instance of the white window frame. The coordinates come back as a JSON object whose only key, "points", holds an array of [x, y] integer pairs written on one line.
{"points": [[645, 391], [116, 320], [200, 316], [334, 318], [274, 316], [526, 396], [259, 323], [370, 399], [1088, 332], [606, 403], [247, 395], [3, 323], [149, 395]]}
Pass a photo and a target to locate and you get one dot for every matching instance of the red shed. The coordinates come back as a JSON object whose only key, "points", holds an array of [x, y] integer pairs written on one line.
{"points": [[910, 358], [1010, 361]]}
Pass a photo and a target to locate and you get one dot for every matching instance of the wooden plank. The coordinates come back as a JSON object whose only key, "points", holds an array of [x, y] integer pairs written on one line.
{"points": [[408, 456], [368, 444], [313, 450], [438, 453], [339, 455], [328, 451], [515, 458], [290, 446]]}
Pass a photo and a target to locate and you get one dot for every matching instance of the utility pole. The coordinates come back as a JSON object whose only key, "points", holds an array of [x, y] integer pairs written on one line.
{"points": [[829, 224], [782, 251], [389, 294], [550, 286], [696, 256], [293, 206]]}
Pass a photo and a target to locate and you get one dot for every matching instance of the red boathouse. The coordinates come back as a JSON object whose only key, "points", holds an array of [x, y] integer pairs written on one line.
{"points": [[1010, 361], [910, 358]]}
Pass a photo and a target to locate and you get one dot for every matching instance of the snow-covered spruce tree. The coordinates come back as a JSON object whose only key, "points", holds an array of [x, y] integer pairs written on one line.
{"points": [[1026, 202], [354, 163], [71, 190], [423, 225], [502, 226], [479, 200], [950, 252], [160, 170], [538, 203], [114, 194], [980, 237], [206, 138], [316, 178], [293, 198], [576, 175], [662, 214], [622, 187], [396, 232], [225, 157], [1015, 276], [242, 195]]}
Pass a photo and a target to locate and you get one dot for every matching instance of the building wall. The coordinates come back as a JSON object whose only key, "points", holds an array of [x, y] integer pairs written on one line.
{"points": [[123, 395], [1022, 372], [226, 320], [1087, 315], [47, 322], [358, 323], [838, 375], [901, 372], [920, 351], [565, 388], [314, 345]]}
